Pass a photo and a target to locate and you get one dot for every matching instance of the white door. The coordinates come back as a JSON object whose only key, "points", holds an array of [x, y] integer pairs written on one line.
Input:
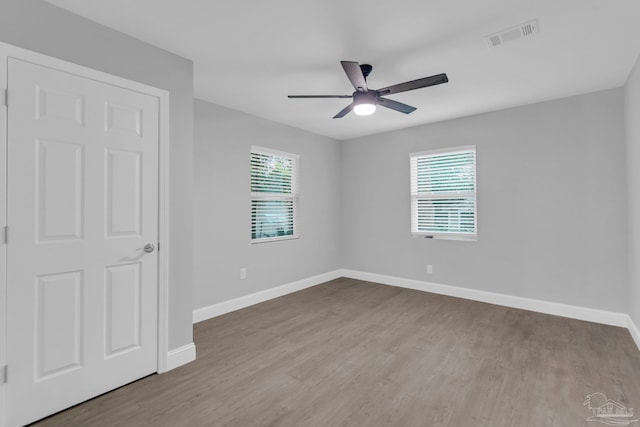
{"points": [[82, 205]]}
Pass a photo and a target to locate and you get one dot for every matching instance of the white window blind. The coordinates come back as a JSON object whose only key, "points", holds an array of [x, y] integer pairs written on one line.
{"points": [[274, 194], [443, 193]]}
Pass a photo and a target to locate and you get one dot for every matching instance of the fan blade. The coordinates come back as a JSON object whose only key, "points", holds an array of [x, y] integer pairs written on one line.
{"points": [[395, 105], [346, 110], [414, 84], [319, 96], [354, 73]]}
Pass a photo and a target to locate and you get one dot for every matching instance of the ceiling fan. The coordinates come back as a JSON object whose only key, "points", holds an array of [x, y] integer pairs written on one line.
{"points": [[365, 99]]}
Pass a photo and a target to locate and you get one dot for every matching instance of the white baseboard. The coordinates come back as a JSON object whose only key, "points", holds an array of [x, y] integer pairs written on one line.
{"points": [[224, 307], [181, 356], [634, 331], [540, 306]]}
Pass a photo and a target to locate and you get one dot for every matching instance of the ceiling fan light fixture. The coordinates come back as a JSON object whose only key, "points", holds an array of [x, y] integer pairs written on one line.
{"points": [[365, 103], [364, 109]]}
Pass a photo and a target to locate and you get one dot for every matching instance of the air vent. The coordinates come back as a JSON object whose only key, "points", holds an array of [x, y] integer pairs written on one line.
{"points": [[527, 29]]}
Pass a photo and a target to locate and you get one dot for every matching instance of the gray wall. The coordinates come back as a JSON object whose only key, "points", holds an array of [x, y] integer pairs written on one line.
{"points": [[222, 240], [43, 28], [551, 203], [632, 122]]}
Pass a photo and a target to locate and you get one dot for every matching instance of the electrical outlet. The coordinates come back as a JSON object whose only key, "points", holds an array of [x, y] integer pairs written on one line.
{"points": [[243, 273], [429, 269]]}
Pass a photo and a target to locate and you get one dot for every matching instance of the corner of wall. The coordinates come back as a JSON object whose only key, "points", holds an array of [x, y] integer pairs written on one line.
{"points": [[180, 356], [634, 331], [632, 146]]}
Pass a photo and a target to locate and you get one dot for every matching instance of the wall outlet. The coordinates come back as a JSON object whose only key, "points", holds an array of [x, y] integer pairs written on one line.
{"points": [[243, 273], [429, 269]]}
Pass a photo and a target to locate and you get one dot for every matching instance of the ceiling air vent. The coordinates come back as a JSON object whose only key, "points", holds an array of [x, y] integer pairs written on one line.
{"points": [[524, 30]]}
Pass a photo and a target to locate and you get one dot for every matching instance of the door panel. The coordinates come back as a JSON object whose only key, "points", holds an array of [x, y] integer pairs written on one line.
{"points": [[123, 177], [59, 190], [122, 322], [58, 323], [56, 105], [124, 118], [82, 203]]}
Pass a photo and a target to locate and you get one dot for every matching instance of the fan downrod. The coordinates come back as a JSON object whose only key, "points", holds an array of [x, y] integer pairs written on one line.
{"points": [[366, 70]]}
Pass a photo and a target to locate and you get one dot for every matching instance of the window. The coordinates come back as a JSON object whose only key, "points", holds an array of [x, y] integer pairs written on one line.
{"points": [[274, 194], [443, 193]]}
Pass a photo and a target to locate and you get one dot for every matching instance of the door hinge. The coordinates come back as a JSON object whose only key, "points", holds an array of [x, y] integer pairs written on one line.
{"points": [[5, 97], [5, 234], [158, 246], [5, 374]]}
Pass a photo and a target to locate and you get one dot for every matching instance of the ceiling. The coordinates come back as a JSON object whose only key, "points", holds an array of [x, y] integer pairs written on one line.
{"points": [[249, 55]]}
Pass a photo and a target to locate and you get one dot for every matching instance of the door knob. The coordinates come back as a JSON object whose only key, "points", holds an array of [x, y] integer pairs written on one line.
{"points": [[148, 248]]}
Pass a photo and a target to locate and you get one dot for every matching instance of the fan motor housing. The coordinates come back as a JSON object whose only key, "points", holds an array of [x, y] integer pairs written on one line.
{"points": [[368, 97]]}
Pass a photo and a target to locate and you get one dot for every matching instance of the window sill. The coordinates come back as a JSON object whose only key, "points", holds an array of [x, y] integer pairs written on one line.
{"points": [[460, 237], [275, 239]]}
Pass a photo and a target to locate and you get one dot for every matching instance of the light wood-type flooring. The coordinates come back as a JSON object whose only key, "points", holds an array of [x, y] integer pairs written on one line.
{"points": [[353, 353]]}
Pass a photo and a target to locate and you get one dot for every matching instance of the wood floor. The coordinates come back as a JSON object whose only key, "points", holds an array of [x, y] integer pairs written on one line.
{"points": [[352, 353]]}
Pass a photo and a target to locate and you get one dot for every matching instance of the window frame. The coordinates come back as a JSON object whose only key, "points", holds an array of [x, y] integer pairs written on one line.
{"points": [[415, 196], [293, 196]]}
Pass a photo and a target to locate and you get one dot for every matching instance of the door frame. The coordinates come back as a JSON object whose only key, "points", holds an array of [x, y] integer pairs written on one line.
{"points": [[9, 51]]}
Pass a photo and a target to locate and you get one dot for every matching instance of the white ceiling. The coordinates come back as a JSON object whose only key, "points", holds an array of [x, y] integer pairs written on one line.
{"points": [[249, 55]]}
